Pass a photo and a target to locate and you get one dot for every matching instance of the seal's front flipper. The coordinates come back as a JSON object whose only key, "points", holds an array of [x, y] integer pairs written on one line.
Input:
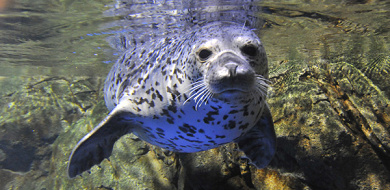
{"points": [[97, 144], [259, 144]]}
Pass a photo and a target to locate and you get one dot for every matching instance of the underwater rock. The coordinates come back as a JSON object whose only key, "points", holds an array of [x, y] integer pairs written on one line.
{"points": [[32, 117], [331, 133]]}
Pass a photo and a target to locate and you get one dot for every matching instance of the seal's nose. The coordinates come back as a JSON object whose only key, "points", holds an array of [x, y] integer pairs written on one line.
{"points": [[236, 69], [232, 68]]}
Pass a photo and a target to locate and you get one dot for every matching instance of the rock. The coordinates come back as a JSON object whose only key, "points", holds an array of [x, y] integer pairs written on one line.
{"points": [[325, 131], [32, 117]]}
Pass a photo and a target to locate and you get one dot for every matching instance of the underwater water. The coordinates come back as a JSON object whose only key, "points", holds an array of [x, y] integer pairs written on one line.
{"points": [[329, 67]]}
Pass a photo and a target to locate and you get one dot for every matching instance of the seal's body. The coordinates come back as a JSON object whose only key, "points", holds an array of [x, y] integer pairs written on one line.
{"points": [[187, 93]]}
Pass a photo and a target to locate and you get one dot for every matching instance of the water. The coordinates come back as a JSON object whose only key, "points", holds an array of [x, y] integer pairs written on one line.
{"points": [[54, 56]]}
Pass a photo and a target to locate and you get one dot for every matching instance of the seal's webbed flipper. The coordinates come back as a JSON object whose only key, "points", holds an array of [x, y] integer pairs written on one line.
{"points": [[259, 144], [98, 144]]}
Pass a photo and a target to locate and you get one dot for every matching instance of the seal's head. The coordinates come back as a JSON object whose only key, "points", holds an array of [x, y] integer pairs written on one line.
{"points": [[231, 60]]}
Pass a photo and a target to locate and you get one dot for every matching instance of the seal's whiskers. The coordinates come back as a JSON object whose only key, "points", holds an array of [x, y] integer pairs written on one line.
{"points": [[197, 89], [199, 92], [205, 96], [262, 85]]}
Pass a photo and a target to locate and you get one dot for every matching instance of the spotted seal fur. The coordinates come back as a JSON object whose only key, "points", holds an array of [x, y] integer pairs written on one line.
{"points": [[187, 93]]}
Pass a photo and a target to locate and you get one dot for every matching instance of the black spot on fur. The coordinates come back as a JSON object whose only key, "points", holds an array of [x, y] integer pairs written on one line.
{"points": [[189, 140], [170, 120], [159, 95], [139, 80], [233, 112], [221, 137], [140, 101], [172, 107], [188, 128], [246, 110], [243, 127], [147, 91], [230, 125], [180, 80], [152, 136], [185, 97], [142, 53], [177, 70], [151, 104], [173, 92], [212, 142], [210, 116], [201, 131], [172, 142], [165, 113], [183, 129], [137, 109]]}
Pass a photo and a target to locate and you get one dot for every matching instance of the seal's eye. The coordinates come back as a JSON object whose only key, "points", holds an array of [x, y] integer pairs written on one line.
{"points": [[204, 54], [250, 50]]}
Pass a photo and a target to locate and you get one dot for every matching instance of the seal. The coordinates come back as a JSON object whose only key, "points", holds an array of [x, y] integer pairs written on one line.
{"points": [[187, 92]]}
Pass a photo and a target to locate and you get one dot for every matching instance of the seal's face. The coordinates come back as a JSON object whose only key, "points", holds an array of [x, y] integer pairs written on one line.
{"points": [[232, 61]]}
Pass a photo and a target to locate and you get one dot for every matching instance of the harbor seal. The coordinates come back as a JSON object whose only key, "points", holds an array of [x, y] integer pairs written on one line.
{"points": [[186, 93]]}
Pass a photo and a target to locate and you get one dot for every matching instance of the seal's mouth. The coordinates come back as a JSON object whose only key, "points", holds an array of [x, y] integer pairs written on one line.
{"points": [[232, 85], [231, 93]]}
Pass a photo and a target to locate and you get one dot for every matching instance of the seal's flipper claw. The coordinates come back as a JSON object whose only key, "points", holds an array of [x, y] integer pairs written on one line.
{"points": [[259, 144], [97, 144]]}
